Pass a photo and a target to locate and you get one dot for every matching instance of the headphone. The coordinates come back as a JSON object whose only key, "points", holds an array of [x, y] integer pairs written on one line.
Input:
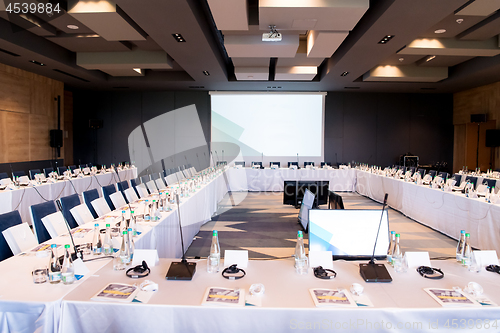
{"points": [[233, 269], [138, 271], [493, 268], [428, 272], [322, 273]]}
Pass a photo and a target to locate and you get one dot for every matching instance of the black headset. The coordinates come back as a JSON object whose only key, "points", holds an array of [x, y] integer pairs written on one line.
{"points": [[323, 273], [429, 272], [493, 268], [233, 269], [138, 271]]}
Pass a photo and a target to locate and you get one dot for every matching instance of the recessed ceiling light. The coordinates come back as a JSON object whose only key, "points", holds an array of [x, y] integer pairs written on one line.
{"points": [[460, 20], [206, 73], [344, 74], [37, 63], [179, 38], [440, 31], [386, 39], [401, 59], [72, 27], [430, 58]]}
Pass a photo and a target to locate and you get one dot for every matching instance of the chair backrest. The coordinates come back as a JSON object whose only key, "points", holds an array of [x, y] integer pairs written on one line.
{"points": [[131, 194], [422, 172], [335, 201], [72, 167], [142, 190], [18, 173], [242, 163], [122, 186], [20, 238], [88, 197], [133, 184], [38, 212], [3, 175], [432, 173], [458, 178], [171, 179], [472, 180], [81, 214], [55, 224], [106, 191], [61, 170], [293, 163], [481, 188], [47, 171], [274, 163], [145, 179], [256, 163], [118, 199], [151, 186], [101, 206], [33, 172], [443, 175], [308, 163], [490, 182], [324, 163], [160, 184], [67, 203], [412, 169], [8, 220]]}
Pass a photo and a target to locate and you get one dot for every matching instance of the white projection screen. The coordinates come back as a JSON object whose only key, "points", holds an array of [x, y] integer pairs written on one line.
{"points": [[270, 127]]}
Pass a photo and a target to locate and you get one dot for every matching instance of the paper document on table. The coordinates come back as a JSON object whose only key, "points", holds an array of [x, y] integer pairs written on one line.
{"points": [[116, 292], [450, 297], [332, 297], [224, 296]]}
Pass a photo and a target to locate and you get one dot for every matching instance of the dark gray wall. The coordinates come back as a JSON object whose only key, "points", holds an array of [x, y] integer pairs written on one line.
{"points": [[370, 128]]}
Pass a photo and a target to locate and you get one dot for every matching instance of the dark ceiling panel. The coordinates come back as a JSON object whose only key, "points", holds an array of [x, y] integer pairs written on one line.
{"points": [[88, 44], [486, 29]]}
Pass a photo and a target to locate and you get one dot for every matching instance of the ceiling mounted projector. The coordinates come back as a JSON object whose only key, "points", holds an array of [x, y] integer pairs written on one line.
{"points": [[272, 36]]}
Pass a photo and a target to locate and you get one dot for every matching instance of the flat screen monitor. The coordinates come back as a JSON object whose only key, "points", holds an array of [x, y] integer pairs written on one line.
{"points": [[350, 234], [307, 204]]}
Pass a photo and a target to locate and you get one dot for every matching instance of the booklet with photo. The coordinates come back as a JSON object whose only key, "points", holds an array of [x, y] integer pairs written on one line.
{"points": [[224, 296], [332, 297], [116, 292], [450, 297]]}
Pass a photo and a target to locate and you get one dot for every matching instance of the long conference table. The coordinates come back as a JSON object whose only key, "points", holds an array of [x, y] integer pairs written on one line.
{"points": [[24, 197]]}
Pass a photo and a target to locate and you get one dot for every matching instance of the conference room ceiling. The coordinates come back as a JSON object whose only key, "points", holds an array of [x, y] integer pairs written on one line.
{"points": [[327, 45]]}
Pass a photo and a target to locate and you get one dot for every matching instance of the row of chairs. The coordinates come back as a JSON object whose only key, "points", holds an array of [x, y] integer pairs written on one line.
{"points": [[48, 221], [242, 163], [422, 172], [60, 170]]}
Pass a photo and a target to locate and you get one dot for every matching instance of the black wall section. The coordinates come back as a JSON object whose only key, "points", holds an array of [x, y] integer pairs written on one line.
{"points": [[370, 128]]}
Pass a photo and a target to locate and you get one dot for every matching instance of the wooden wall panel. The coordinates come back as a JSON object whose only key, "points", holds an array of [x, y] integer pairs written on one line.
{"points": [[68, 128], [458, 143], [27, 112]]}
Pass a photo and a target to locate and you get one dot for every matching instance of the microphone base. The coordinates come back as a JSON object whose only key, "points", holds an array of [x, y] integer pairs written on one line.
{"points": [[374, 273], [182, 271]]}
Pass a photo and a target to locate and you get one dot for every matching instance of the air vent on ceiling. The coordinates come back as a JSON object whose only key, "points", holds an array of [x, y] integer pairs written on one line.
{"points": [[71, 75], [9, 53]]}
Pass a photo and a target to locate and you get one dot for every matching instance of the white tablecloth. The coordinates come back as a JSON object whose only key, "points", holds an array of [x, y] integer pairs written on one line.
{"points": [[22, 198], [271, 180], [286, 305], [446, 212]]}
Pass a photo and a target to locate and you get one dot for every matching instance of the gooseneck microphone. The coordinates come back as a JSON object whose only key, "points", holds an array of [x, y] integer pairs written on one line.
{"points": [[372, 260]]}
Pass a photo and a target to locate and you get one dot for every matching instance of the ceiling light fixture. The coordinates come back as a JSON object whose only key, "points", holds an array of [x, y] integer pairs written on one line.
{"points": [[272, 36], [37, 63], [179, 38], [386, 39], [344, 74], [401, 59], [138, 70], [430, 58], [460, 20], [72, 27], [206, 73], [440, 31]]}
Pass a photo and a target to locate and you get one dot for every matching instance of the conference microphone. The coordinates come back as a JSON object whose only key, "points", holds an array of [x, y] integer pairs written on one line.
{"points": [[298, 165], [77, 254], [372, 272], [218, 160]]}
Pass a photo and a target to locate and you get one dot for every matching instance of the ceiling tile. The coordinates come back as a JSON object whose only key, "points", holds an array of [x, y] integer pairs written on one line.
{"points": [[245, 46], [88, 44], [251, 73], [229, 14]]}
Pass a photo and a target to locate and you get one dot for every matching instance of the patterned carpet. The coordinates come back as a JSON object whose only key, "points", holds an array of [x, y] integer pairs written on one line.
{"points": [[261, 224]]}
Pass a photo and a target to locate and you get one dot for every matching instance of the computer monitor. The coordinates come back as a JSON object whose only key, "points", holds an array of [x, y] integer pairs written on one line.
{"points": [[307, 204], [350, 234]]}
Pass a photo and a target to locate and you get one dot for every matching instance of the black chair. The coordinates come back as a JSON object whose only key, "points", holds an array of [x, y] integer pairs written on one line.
{"points": [[275, 163], [325, 163], [472, 180], [164, 172], [458, 179], [33, 172], [3, 175], [133, 183], [240, 163], [293, 163], [257, 163], [490, 182], [422, 172], [443, 175], [18, 173], [61, 170], [335, 201], [7, 220], [412, 169], [88, 197], [122, 186], [308, 163], [47, 171], [106, 191], [68, 203], [38, 212], [82, 166], [72, 167], [432, 173]]}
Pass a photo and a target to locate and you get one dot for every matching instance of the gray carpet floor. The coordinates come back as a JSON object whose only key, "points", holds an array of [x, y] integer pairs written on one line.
{"points": [[261, 224]]}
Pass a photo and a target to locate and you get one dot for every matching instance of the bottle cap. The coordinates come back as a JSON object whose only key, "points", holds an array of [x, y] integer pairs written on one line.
{"points": [[66, 246], [299, 233], [462, 231], [467, 235], [131, 212], [123, 212], [53, 246], [129, 229], [393, 232], [96, 225], [214, 233], [398, 235], [124, 232], [108, 225]]}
